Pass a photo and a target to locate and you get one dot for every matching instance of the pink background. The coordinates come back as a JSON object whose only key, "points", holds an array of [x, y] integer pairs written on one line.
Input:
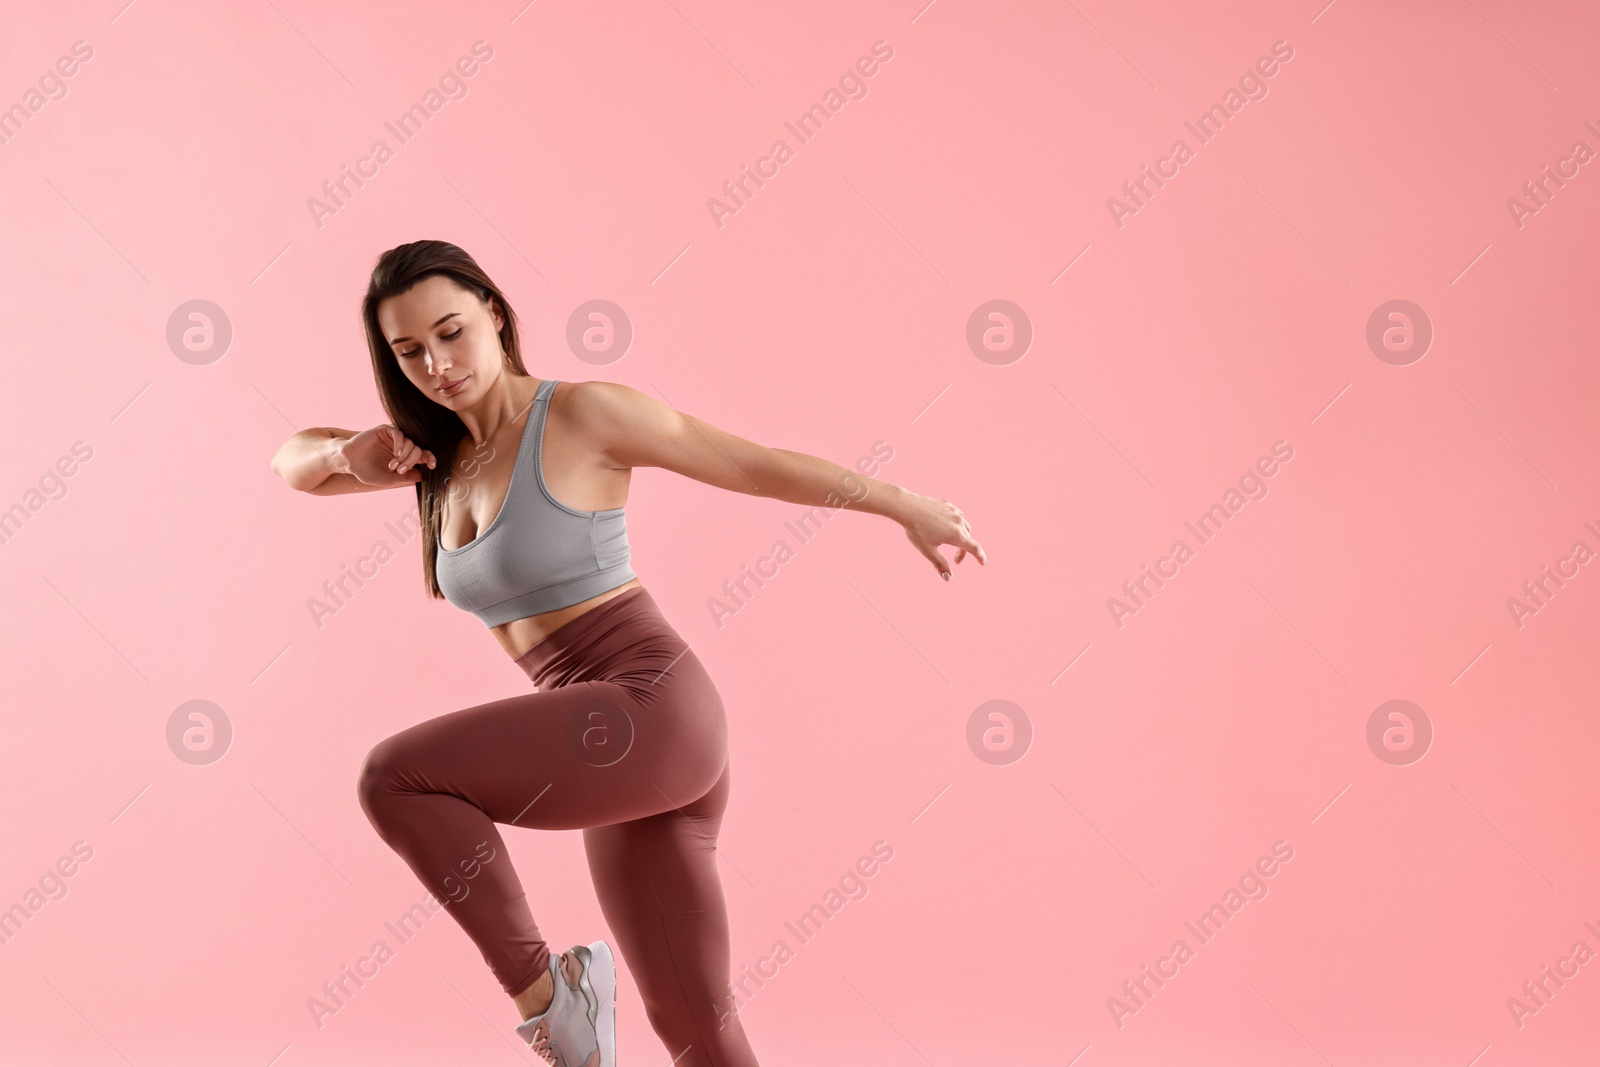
{"points": [[831, 312]]}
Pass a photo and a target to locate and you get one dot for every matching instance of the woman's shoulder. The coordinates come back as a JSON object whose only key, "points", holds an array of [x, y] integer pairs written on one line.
{"points": [[594, 402]]}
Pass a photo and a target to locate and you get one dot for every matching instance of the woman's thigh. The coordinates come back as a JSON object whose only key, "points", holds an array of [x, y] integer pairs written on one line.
{"points": [[586, 754], [659, 887]]}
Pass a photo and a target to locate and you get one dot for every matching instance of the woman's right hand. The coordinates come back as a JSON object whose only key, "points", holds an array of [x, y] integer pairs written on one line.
{"points": [[383, 456]]}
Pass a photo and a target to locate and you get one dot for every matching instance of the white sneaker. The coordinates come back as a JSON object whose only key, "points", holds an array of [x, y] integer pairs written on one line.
{"points": [[579, 1029]]}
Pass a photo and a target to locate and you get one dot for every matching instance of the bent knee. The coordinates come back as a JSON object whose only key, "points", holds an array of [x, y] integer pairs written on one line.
{"points": [[378, 771]]}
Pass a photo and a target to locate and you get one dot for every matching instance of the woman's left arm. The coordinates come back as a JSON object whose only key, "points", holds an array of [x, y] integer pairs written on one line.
{"points": [[636, 430]]}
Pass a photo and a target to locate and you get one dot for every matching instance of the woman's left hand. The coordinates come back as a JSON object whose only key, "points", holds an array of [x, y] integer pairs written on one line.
{"points": [[931, 522]]}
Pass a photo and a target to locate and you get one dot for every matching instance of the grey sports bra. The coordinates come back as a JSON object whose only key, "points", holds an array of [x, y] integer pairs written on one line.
{"points": [[537, 554]]}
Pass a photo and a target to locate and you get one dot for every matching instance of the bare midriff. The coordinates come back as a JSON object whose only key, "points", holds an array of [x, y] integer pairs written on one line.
{"points": [[520, 635]]}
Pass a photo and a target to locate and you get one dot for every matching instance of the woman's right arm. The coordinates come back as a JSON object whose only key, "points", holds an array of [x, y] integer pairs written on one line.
{"points": [[327, 460]]}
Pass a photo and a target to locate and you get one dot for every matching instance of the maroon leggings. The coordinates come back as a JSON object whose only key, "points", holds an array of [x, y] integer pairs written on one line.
{"points": [[625, 738]]}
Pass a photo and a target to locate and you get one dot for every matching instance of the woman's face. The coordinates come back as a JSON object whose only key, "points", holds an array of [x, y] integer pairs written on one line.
{"points": [[443, 338]]}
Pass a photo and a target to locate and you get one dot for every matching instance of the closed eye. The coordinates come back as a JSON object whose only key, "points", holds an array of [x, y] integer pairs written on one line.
{"points": [[444, 337]]}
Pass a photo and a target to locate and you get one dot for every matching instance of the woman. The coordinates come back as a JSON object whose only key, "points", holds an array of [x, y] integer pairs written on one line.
{"points": [[625, 735]]}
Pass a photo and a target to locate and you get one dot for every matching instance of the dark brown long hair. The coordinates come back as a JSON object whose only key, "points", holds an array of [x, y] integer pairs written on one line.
{"points": [[430, 424]]}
